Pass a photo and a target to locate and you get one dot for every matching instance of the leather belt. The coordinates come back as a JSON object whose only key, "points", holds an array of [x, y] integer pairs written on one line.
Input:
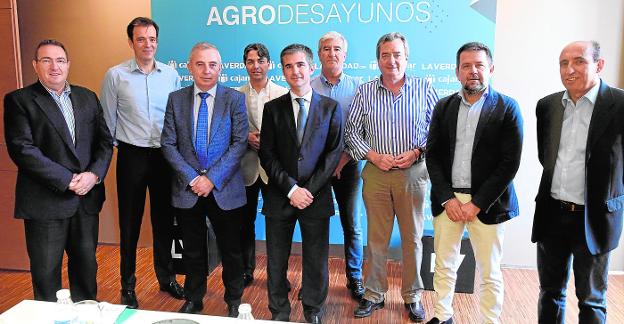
{"points": [[462, 190], [570, 206]]}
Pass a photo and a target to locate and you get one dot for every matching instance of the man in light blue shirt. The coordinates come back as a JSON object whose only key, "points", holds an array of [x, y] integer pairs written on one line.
{"points": [[134, 96], [346, 182]]}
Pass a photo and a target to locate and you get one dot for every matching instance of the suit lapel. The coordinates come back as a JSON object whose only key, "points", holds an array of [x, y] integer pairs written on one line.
{"points": [[601, 116], [554, 132], [187, 109], [452, 123], [313, 116], [289, 115], [218, 111], [49, 107], [79, 115], [486, 112]]}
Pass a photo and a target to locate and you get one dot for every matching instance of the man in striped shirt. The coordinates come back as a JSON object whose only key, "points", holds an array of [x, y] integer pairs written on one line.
{"points": [[388, 126]]}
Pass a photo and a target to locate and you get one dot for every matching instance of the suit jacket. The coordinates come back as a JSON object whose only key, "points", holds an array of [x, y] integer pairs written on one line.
{"points": [[227, 143], [310, 165], [604, 167], [39, 143], [250, 164], [495, 156]]}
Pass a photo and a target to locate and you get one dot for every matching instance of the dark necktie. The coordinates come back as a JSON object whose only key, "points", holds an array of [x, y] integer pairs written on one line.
{"points": [[201, 135], [302, 118]]}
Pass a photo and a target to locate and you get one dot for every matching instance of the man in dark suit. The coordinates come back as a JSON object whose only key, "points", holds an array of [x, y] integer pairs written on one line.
{"points": [[300, 149], [56, 135], [578, 208], [204, 138], [473, 154]]}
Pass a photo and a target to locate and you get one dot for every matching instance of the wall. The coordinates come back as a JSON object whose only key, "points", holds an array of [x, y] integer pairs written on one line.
{"points": [[529, 38]]}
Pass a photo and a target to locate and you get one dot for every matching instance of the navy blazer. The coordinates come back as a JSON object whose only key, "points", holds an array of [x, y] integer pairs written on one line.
{"points": [[227, 144], [310, 165], [496, 154], [39, 143], [604, 167]]}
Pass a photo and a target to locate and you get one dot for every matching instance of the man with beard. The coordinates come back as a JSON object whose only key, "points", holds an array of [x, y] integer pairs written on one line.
{"points": [[474, 146]]}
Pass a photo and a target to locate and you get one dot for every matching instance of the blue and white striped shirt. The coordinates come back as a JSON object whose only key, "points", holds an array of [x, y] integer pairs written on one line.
{"points": [[63, 101], [386, 124]]}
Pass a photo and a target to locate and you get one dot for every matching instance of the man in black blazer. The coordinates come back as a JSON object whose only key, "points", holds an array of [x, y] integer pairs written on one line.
{"points": [[578, 208], [473, 154], [300, 148], [56, 135]]}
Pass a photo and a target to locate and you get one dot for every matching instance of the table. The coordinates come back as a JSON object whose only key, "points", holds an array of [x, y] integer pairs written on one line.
{"points": [[39, 312]]}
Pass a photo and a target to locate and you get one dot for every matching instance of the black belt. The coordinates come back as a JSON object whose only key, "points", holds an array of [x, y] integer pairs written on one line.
{"points": [[570, 206], [462, 190]]}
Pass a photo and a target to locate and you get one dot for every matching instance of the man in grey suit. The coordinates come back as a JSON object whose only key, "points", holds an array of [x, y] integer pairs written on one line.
{"points": [[257, 92], [578, 208], [204, 138]]}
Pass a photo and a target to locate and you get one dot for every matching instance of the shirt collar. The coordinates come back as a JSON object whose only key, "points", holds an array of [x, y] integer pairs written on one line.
{"points": [[307, 97], [460, 93], [135, 67], [212, 91], [380, 83], [66, 89], [591, 95], [329, 84]]}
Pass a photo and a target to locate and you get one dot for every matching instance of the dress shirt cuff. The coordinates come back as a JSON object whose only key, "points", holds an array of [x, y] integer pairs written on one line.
{"points": [[194, 180], [292, 191], [444, 203]]}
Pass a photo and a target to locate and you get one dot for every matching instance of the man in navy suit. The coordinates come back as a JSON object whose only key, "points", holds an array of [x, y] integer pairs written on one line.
{"points": [[300, 149], [56, 135], [473, 154], [578, 208], [204, 138]]}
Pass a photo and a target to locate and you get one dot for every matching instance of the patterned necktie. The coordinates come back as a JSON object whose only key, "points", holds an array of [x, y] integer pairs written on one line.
{"points": [[201, 135], [302, 118]]}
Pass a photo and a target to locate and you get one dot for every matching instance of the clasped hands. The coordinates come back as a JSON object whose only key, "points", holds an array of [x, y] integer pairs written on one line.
{"points": [[82, 183], [458, 212], [385, 162], [301, 198], [202, 186]]}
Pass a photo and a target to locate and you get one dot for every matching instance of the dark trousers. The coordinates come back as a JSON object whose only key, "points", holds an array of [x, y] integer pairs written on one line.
{"points": [[248, 227], [47, 239], [564, 247], [315, 245], [348, 193], [226, 225], [138, 169]]}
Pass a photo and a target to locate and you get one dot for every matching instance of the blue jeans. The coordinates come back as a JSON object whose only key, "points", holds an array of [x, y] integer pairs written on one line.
{"points": [[348, 193], [565, 247]]}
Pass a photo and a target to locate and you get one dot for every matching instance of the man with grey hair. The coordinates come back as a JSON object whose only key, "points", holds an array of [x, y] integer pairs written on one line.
{"points": [[388, 126], [203, 139], [300, 148], [346, 182], [578, 208]]}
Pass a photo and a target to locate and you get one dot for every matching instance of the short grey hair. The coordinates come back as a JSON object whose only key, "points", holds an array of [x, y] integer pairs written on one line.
{"points": [[389, 37], [333, 35], [203, 46]]}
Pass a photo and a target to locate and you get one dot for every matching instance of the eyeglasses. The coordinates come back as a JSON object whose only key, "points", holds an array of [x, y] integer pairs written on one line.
{"points": [[49, 60]]}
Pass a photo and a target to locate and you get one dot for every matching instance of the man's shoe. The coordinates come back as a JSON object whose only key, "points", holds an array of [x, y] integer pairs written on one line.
{"points": [[356, 287], [366, 308], [190, 307], [128, 298], [174, 289], [280, 317], [300, 294], [435, 320], [416, 311], [288, 286], [312, 318], [247, 279], [233, 311]]}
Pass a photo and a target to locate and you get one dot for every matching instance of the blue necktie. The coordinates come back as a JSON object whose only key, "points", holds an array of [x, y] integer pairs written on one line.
{"points": [[302, 118], [201, 134]]}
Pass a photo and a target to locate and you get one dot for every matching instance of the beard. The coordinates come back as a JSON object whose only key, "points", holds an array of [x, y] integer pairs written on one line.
{"points": [[473, 90]]}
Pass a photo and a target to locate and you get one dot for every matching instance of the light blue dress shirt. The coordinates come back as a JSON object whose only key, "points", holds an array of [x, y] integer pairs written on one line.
{"points": [[467, 121], [568, 182], [343, 91], [134, 102]]}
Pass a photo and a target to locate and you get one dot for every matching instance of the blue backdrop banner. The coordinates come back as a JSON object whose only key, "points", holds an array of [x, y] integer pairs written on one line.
{"points": [[435, 29]]}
